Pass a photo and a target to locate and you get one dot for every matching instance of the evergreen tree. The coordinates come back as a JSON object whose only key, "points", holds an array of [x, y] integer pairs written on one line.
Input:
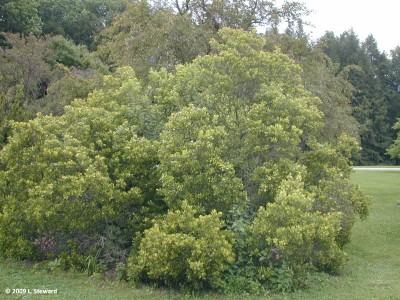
{"points": [[368, 70]]}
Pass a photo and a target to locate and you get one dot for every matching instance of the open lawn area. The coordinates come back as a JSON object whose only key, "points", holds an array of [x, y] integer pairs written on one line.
{"points": [[372, 272]]}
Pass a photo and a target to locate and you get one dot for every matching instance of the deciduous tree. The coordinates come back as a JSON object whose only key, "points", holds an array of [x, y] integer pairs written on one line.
{"points": [[144, 38], [20, 16]]}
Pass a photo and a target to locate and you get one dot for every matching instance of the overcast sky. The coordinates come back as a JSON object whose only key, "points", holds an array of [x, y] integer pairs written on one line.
{"points": [[379, 18]]}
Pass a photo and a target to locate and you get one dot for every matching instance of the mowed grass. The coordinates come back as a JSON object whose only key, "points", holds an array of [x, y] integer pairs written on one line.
{"points": [[372, 272]]}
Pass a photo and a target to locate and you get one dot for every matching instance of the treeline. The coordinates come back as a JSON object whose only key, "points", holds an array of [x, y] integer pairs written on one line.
{"points": [[91, 37], [168, 141], [375, 100]]}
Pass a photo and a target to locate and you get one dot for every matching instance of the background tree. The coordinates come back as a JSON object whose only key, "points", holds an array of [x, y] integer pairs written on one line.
{"points": [[394, 150], [368, 70], [31, 65], [144, 38], [393, 80], [378, 89], [238, 14], [25, 76], [20, 16], [79, 21]]}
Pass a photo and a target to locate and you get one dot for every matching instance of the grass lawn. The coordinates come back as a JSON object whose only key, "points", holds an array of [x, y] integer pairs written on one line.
{"points": [[372, 272]]}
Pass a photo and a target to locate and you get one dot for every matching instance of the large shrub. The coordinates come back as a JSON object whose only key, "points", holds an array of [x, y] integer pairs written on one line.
{"points": [[77, 178], [183, 250], [289, 235], [241, 121], [234, 132]]}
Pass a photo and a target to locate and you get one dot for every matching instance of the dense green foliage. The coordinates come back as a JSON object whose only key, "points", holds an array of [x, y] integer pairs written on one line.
{"points": [[76, 20], [371, 271], [42, 75], [240, 14], [79, 175], [289, 238], [184, 250], [376, 97], [145, 38], [234, 132], [394, 150], [20, 16], [181, 129]]}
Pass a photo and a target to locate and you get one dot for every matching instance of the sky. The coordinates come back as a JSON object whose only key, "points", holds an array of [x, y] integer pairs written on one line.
{"points": [[379, 18]]}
